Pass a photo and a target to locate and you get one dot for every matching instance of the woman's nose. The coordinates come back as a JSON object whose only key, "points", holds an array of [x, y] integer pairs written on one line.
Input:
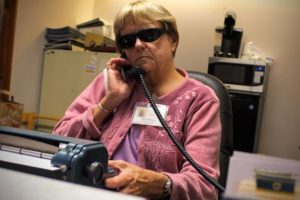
{"points": [[138, 42]]}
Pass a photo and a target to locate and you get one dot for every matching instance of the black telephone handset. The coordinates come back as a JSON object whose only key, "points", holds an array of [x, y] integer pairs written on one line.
{"points": [[130, 71]]}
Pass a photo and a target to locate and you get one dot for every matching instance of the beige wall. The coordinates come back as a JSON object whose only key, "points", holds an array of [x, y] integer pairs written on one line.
{"points": [[33, 16], [273, 26]]}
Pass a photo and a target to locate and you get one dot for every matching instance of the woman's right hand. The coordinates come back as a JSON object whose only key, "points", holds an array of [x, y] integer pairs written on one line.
{"points": [[117, 88]]}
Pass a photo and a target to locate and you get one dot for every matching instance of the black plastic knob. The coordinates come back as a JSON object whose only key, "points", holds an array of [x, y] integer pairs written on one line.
{"points": [[94, 172]]}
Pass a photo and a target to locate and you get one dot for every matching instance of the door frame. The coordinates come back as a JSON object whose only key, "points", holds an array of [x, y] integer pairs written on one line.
{"points": [[8, 15]]}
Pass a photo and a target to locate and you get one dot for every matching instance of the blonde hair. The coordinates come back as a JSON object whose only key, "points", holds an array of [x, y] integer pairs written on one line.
{"points": [[145, 11]]}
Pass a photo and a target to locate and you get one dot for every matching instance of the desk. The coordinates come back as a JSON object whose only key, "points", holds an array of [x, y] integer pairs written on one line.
{"points": [[16, 185]]}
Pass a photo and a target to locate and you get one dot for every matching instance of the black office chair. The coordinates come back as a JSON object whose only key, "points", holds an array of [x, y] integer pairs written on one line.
{"points": [[226, 119]]}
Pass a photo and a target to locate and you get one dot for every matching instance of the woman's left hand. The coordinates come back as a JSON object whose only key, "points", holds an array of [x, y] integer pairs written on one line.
{"points": [[136, 180]]}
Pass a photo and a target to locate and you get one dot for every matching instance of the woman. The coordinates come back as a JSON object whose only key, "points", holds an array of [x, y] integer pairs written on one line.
{"points": [[116, 112]]}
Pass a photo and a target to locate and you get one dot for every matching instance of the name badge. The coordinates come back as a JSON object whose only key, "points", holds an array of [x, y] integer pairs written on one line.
{"points": [[144, 114]]}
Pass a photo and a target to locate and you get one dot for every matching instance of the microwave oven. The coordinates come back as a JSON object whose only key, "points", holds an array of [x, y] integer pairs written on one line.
{"points": [[239, 74]]}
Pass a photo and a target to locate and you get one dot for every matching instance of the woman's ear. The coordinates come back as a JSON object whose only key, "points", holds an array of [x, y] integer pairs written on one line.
{"points": [[174, 43]]}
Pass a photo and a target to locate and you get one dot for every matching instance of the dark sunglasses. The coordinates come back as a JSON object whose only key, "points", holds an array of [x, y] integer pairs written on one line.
{"points": [[147, 35]]}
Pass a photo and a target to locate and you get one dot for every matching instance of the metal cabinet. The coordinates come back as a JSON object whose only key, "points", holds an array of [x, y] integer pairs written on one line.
{"points": [[65, 75]]}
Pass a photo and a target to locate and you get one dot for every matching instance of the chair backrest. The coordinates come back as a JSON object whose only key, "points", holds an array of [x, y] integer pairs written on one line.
{"points": [[225, 116]]}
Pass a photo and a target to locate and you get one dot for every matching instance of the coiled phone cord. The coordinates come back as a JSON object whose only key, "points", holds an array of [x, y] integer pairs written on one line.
{"points": [[173, 138]]}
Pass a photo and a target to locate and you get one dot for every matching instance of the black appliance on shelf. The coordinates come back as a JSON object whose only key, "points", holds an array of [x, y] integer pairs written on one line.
{"points": [[231, 37]]}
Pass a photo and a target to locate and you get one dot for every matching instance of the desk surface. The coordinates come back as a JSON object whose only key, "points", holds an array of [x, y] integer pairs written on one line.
{"points": [[248, 188], [16, 185]]}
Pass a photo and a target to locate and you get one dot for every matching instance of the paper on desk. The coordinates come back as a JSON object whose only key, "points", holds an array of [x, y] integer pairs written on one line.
{"points": [[242, 167]]}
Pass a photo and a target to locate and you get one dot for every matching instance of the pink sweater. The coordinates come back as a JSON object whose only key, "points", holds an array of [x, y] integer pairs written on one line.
{"points": [[193, 117]]}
